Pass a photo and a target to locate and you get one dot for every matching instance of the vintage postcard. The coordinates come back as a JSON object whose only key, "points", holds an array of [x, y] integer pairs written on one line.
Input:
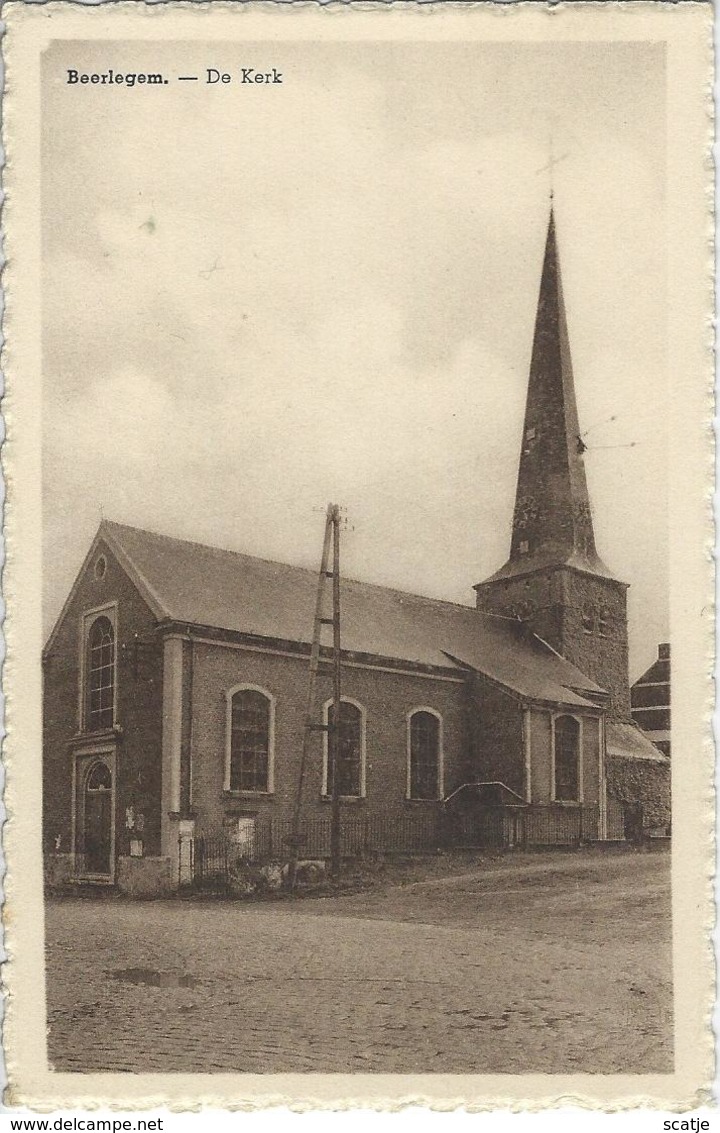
{"points": [[358, 464]]}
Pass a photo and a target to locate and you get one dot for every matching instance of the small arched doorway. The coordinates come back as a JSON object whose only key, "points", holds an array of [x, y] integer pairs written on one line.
{"points": [[98, 819]]}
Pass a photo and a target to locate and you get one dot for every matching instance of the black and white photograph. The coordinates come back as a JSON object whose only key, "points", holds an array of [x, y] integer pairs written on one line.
{"points": [[357, 397]]}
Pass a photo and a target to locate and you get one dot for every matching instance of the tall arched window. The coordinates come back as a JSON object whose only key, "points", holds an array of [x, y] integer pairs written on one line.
{"points": [[250, 741], [567, 759], [350, 751], [100, 675], [424, 755]]}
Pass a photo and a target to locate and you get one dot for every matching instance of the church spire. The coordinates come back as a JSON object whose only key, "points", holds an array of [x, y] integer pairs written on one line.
{"points": [[552, 521], [554, 581]]}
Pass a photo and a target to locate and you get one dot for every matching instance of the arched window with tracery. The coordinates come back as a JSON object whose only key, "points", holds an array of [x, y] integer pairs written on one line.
{"points": [[251, 733], [100, 713], [424, 755], [350, 750], [567, 759]]}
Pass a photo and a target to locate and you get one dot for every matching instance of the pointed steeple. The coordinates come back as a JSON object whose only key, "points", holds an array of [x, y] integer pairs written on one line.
{"points": [[552, 521], [554, 581]]}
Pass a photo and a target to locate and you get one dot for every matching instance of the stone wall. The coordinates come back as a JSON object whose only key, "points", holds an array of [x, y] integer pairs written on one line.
{"points": [[145, 877], [564, 608], [59, 870], [635, 780]]}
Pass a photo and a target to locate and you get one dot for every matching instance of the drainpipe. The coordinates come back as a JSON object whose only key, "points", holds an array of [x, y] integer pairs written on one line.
{"points": [[602, 776], [527, 742]]}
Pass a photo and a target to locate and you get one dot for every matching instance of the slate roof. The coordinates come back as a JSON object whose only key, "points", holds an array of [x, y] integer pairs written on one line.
{"points": [[542, 559], [206, 586], [658, 673], [552, 483], [627, 741]]}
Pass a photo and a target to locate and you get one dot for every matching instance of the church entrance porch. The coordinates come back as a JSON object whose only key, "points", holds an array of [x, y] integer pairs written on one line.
{"points": [[492, 816], [484, 816]]}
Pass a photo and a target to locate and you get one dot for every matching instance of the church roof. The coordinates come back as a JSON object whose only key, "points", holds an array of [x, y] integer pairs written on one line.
{"points": [[541, 560], [628, 741], [205, 586]]}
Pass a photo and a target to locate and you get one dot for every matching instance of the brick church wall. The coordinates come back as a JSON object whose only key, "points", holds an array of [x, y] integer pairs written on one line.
{"points": [[497, 736], [541, 756], [541, 763], [139, 712], [591, 761], [386, 697]]}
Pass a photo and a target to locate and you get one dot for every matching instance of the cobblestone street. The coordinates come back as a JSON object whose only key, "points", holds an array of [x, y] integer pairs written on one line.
{"points": [[542, 962]]}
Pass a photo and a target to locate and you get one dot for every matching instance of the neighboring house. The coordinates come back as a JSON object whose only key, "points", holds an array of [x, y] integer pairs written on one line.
{"points": [[175, 683], [650, 697]]}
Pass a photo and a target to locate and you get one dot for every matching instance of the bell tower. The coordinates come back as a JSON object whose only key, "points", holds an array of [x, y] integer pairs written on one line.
{"points": [[554, 579]]}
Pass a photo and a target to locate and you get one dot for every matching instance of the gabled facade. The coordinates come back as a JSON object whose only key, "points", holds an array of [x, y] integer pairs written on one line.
{"points": [[103, 703]]}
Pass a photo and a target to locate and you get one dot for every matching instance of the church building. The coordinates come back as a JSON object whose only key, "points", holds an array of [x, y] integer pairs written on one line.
{"points": [[176, 678]]}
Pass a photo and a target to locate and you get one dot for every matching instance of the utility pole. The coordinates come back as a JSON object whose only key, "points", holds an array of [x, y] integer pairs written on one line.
{"points": [[335, 734], [297, 839]]}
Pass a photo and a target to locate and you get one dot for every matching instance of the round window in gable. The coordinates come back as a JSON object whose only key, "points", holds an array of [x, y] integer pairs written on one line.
{"points": [[100, 567]]}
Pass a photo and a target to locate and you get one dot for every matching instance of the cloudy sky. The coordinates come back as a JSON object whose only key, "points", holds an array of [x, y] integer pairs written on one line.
{"points": [[259, 299]]}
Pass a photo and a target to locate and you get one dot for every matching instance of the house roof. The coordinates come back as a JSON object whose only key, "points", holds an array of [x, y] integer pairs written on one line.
{"points": [[658, 673], [206, 586], [628, 741]]}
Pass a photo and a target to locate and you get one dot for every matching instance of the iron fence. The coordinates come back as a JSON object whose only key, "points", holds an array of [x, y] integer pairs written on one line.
{"points": [[219, 861], [615, 819], [500, 827], [560, 826], [209, 860]]}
